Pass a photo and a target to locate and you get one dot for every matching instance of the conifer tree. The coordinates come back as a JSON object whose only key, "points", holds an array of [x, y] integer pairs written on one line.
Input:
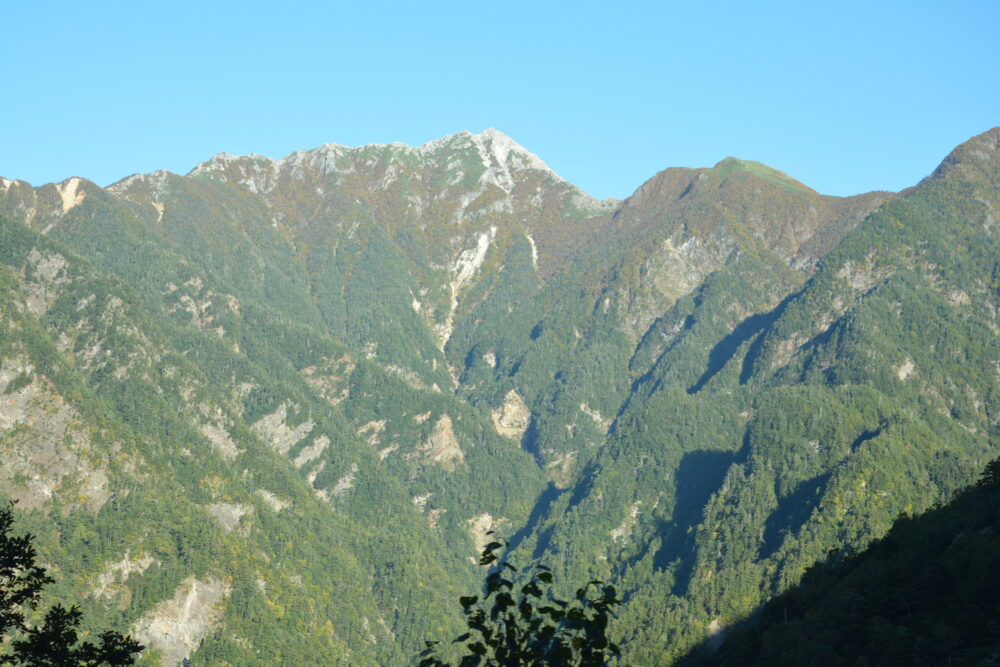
{"points": [[54, 642]]}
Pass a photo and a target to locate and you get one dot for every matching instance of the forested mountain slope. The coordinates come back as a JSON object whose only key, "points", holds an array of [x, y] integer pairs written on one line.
{"points": [[296, 393], [869, 391], [925, 594]]}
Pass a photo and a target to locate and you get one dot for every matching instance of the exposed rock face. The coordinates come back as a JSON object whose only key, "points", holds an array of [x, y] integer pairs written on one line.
{"points": [[600, 420], [203, 306], [465, 266], [215, 431], [274, 429], [176, 627], [691, 222], [905, 369], [863, 278], [560, 466], [44, 280], [420, 502], [513, 417], [40, 445], [621, 534], [310, 452], [70, 194], [480, 525], [274, 502], [228, 514], [372, 431], [111, 582], [345, 483], [442, 445], [330, 379], [671, 271]]}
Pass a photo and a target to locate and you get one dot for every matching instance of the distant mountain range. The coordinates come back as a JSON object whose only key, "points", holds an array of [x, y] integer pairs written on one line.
{"points": [[267, 411]]}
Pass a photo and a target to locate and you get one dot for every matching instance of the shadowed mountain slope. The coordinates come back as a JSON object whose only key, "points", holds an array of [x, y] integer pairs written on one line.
{"points": [[926, 593]]}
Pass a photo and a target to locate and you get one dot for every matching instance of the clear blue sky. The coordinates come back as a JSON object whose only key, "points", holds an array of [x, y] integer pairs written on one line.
{"points": [[844, 96]]}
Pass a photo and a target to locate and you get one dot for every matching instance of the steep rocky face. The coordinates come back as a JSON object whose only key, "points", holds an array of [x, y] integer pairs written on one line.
{"points": [[176, 627], [460, 172], [45, 453], [513, 417], [684, 224]]}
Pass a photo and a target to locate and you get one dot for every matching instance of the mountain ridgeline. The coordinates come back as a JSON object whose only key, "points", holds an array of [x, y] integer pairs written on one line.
{"points": [[267, 411]]}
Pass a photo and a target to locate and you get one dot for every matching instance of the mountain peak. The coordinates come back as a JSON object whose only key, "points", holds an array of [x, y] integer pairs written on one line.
{"points": [[507, 153], [496, 150], [493, 146], [731, 166], [980, 153], [494, 133]]}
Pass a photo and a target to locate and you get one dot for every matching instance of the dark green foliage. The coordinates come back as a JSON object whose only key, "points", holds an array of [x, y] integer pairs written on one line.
{"points": [[519, 621], [54, 642], [21, 579], [928, 593]]}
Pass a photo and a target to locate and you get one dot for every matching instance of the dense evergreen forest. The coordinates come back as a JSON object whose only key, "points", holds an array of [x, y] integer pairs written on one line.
{"points": [[928, 593], [269, 410]]}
